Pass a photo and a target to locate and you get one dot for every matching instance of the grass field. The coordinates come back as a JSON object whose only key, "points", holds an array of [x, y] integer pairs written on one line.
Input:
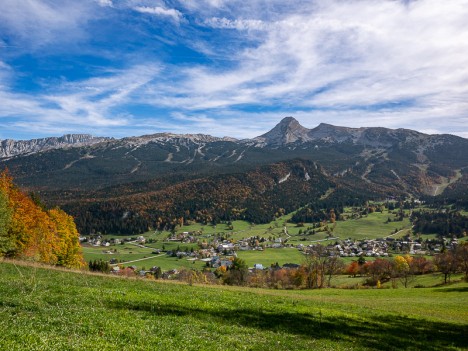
{"points": [[42, 309], [142, 257], [372, 226], [271, 256]]}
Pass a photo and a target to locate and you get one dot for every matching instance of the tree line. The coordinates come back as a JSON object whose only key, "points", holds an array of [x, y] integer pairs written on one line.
{"points": [[442, 222]]}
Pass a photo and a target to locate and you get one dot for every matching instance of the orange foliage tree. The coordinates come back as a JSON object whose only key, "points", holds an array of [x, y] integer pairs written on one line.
{"points": [[32, 233]]}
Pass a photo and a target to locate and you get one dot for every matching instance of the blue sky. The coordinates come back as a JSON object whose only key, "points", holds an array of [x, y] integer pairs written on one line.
{"points": [[230, 67]]}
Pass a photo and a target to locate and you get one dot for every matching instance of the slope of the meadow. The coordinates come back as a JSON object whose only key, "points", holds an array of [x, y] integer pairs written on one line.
{"points": [[44, 309]]}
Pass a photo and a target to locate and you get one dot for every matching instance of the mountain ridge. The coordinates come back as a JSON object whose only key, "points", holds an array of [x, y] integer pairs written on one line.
{"points": [[10, 147], [287, 132], [97, 178]]}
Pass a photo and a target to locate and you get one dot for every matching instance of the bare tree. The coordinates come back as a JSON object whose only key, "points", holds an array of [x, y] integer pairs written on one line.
{"points": [[320, 267], [333, 266]]}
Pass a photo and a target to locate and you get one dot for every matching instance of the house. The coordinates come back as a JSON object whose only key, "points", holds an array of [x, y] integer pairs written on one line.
{"points": [[291, 265], [115, 269]]}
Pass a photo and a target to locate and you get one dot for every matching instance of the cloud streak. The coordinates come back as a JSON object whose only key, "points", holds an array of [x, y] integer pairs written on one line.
{"points": [[174, 14]]}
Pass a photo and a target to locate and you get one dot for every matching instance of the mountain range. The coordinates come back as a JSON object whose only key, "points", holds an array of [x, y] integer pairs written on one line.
{"points": [[170, 176]]}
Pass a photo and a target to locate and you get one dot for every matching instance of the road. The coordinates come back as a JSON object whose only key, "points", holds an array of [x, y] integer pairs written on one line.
{"points": [[140, 259]]}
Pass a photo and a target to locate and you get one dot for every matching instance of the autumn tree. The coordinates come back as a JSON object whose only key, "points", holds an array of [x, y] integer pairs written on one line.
{"points": [[333, 266], [352, 269], [404, 269], [68, 250], [379, 270], [28, 231], [461, 256], [314, 267], [446, 263], [421, 265]]}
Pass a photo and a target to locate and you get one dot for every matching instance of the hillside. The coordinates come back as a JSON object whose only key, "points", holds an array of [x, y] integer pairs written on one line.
{"points": [[57, 310], [103, 179]]}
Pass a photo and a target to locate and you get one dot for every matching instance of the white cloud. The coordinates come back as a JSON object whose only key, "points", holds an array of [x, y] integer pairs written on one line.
{"points": [[239, 24], [105, 3], [174, 14], [34, 23]]}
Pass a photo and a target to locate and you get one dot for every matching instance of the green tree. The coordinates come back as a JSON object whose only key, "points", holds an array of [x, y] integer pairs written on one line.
{"points": [[238, 272]]}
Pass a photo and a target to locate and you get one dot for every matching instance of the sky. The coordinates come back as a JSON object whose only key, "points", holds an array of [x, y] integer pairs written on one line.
{"points": [[231, 67]]}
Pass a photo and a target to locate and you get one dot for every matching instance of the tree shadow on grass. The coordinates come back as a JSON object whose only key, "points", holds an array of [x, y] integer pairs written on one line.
{"points": [[386, 332], [459, 289]]}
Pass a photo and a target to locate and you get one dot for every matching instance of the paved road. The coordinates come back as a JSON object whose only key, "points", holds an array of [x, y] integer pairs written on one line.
{"points": [[140, 259]]}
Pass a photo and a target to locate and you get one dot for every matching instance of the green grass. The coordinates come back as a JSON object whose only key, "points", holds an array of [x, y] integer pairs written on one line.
{"points": [[129, 253], [425, 281], [372, 226], [271, 256], [42, 309]]}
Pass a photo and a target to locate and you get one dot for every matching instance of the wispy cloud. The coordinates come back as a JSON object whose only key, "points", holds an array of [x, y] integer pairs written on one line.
{"points": [[83, 105], [174, 14], [31, 24]]}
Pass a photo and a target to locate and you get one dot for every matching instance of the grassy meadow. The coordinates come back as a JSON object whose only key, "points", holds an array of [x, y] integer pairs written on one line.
{"points": [[46, 309]]}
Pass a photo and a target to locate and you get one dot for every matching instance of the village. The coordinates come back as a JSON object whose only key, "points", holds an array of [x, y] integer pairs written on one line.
{"points": [[220, 252]]}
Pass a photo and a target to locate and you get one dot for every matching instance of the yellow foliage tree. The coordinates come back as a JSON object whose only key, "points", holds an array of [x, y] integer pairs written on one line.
{"points": [[36, 234]]}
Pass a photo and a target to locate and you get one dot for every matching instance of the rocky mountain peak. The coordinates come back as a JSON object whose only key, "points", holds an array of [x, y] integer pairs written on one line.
{"points": [[287, 131]]}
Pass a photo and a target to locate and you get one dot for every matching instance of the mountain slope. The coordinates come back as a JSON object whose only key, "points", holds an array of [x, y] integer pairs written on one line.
{"points": [[255, 196], [378, 162]]}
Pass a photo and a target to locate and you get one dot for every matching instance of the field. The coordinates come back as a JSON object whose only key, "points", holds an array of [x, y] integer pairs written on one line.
{"points": [[43, 309], [141, 257], [374, 225]]}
